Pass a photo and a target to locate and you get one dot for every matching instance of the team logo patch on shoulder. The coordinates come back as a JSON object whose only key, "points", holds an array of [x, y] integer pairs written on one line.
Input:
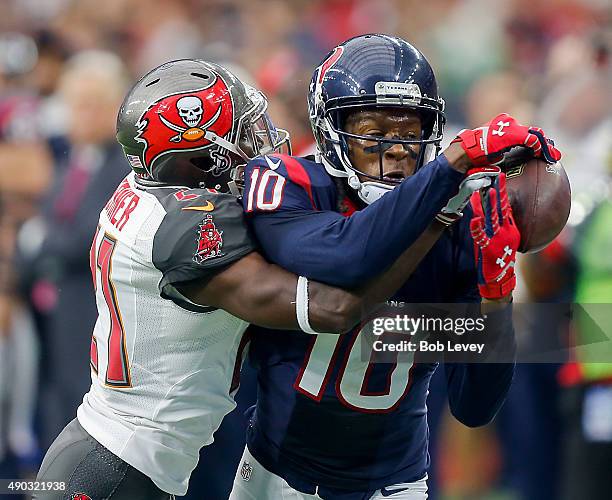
{"points": [[210, 241], [80, 496]]}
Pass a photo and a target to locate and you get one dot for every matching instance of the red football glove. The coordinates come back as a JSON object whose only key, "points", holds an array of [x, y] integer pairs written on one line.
{"points": [[486, 145], [496, 239]]}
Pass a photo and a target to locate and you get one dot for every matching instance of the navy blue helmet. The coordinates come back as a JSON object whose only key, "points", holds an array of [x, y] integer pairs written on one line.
{"points": [[372, 71]]}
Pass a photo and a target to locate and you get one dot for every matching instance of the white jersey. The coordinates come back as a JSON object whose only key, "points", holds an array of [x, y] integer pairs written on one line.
{"points": [[164, 370]]}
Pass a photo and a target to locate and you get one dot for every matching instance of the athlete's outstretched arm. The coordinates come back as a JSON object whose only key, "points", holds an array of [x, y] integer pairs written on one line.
{"points": [[476, 391], [265, 294], [348, 251]]}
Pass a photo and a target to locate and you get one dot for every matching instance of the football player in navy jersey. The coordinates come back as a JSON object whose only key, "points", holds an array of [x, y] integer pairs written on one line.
{"points": [[329, 424]]}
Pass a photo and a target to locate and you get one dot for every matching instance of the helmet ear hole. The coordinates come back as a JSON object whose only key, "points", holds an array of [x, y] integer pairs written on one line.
{"points": [[180, 169], [204, 163]]}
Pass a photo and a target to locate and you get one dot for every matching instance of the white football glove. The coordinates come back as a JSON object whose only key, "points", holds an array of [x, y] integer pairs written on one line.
{"points": [[475, 179]]}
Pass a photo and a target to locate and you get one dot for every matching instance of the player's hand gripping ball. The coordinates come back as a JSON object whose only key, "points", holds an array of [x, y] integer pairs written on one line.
{"points": [[475, 179], [486, 145], [496, 240], [541, 198]]}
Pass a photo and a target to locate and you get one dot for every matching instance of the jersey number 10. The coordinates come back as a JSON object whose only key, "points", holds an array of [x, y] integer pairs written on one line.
{"points": [[266, 191], [353, 374]]}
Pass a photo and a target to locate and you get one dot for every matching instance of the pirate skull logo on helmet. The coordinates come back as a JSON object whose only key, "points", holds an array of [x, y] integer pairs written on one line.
{"points": [[190, 110]]}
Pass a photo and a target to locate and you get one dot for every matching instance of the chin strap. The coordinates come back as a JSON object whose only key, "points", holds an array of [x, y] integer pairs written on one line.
{"points": [[368, 191]]}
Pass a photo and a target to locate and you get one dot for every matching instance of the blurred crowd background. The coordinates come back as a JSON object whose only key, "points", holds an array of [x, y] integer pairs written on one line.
{"points": [[64, 68]]}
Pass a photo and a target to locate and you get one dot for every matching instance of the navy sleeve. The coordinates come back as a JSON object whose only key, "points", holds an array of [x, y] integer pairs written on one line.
{"points": [[465, 279], [476, 391], [305, 235]]}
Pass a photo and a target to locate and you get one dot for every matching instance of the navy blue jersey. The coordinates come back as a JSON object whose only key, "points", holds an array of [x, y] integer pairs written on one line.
{"points": [[325, 417]]}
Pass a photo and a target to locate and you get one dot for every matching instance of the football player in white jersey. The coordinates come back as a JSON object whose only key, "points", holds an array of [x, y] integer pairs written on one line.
{"points": [[177, 280]]}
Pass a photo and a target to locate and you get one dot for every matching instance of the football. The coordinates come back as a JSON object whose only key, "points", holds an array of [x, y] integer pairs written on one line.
{"points": [[193, 134], [540, 197]]}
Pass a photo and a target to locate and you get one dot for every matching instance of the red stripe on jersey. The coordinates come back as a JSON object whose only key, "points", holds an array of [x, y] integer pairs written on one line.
{"points": [[297, 173]]}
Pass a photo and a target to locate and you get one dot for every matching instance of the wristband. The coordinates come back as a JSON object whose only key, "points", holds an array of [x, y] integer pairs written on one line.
{"points": [[301, 306]]}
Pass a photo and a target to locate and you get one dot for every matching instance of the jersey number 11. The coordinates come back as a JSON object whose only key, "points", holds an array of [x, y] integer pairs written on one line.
{"points": [[117, 368]]}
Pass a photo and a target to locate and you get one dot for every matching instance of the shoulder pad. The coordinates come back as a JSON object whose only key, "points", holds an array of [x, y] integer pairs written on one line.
{"points": [[191, 199], [300, 171], [201, 232]]}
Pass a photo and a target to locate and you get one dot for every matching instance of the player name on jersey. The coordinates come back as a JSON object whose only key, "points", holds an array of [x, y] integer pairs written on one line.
{"points": [[123, 202]]}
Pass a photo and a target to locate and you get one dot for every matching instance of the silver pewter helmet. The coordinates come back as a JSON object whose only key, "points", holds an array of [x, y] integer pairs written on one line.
{"points": [[193, 122]]}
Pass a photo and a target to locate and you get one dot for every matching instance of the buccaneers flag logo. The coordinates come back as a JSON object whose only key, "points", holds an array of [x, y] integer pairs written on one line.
{"points": [[210, 241], [80, 496], [185, 121]]}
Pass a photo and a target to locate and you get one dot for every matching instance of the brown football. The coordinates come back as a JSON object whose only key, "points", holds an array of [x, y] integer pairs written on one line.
{"points": [[193, 134], [540, 196]]}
